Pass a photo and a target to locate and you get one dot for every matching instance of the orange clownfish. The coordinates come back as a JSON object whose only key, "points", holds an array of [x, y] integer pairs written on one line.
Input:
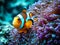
{"points": [[22, 22]]}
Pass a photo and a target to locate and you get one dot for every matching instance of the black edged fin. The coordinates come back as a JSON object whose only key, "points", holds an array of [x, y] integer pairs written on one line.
{"points": [[31, 20]]}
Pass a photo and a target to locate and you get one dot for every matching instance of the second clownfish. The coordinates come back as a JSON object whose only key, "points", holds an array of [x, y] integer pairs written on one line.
{"points": [[22, 22]]}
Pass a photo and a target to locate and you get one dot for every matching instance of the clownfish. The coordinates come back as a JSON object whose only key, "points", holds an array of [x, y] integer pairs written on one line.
{"points": [[22, 22]]}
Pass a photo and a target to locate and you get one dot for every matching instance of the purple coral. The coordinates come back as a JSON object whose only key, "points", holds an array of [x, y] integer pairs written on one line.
{"points": [[48, 24]]}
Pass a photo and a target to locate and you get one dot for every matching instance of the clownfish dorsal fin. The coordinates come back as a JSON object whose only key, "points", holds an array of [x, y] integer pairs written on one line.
{"points": [[23, 13]]}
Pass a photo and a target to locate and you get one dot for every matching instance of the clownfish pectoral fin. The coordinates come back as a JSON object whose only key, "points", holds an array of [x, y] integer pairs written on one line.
{"points": [[24, 10], [28, 24]]}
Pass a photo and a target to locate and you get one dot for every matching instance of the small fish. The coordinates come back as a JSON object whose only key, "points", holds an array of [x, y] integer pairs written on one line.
{"points": [[23, 22]]}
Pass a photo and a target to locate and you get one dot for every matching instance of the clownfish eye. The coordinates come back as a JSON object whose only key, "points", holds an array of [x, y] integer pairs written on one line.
{"points": [[18, 19]]}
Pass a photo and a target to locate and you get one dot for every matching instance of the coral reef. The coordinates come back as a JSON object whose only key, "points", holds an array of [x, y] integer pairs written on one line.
{"points": [[48, 24], [44, 31]]}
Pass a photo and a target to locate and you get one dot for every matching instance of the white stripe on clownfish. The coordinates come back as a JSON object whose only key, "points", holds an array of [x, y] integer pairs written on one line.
{"points": [[28, 17], [22, 20]]}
